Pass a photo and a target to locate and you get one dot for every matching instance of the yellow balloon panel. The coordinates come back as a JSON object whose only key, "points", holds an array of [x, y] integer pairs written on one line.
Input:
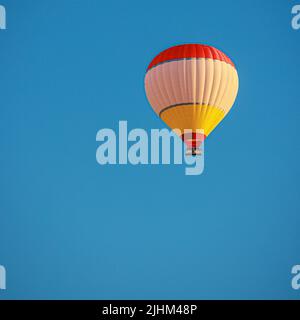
{"points": [[193, 117]]}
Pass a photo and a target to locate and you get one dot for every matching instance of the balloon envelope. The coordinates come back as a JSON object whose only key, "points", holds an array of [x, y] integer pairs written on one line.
{"points": [[191, 87]]}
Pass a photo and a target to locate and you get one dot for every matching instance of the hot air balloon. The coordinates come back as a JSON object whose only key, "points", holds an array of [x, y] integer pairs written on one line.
{"points": [[191, 87]]}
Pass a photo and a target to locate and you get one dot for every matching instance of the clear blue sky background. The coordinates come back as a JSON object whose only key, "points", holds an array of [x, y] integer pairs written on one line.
{"points": [[70, 228]]}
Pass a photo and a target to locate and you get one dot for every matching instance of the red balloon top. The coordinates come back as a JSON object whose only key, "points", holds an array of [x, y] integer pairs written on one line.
{"points": [[186, 51]]}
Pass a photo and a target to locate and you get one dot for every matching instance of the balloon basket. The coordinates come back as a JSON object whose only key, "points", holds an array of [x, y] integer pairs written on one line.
{"points": [[193, 152]]}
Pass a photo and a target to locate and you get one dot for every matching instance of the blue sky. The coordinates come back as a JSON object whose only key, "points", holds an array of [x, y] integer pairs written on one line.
{"points": [[71, 228]]}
